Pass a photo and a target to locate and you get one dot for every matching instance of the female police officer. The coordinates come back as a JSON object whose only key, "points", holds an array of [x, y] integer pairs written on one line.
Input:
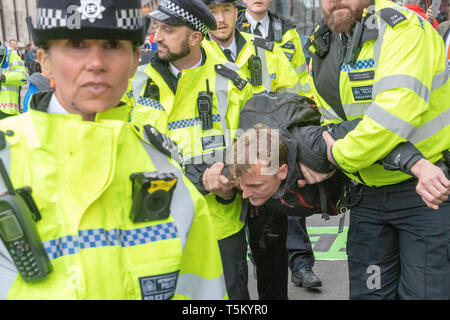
{"points": [[77, 151]]}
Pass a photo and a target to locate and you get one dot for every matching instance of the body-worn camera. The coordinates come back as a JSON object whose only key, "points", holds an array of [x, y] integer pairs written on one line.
{"points": [[18, 230], [152, 195]]}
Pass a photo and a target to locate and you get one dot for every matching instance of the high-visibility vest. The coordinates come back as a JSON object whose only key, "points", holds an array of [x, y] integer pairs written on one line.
{"points": [[400, 87], [290, 44], [79, 172], [176, 114], [277, 73], [15, 72]]}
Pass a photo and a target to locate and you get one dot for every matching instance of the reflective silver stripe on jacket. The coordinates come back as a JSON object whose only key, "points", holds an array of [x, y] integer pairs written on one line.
{"points": [[221, 91], [306, 87], [356, 109], [350, 110], [198, 288], [440, 79], [265, 70], [301, 69], [379, 41], [328, 114], [8, 270], [391, 122], [295, 89], [9, 88], [402, 81], [182, 206], [432, 127], [405, 129], [138, 84]]}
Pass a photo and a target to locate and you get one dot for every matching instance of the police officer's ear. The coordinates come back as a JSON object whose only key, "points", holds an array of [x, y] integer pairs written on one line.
{"points": [[195, 37], [43, 56]]}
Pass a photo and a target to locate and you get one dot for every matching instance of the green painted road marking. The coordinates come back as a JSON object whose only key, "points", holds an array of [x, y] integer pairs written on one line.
{"points": [[327, 243]]}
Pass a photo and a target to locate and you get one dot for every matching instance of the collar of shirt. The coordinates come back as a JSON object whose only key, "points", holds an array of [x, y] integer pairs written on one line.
{"points": [[232, 48], [56, 107], [175, 71], [265, 22]]}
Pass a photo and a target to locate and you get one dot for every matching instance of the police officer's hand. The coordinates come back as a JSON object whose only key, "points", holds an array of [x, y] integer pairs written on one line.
{"points": [[215, 182], [311, 176], [433, 186], [329, 141], [2, 77]]}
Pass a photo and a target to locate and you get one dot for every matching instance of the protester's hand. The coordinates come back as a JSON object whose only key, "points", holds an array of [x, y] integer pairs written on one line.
{"points": [[311, 176], [429, 15], [433, 186], [329, 141], [215, 182]]}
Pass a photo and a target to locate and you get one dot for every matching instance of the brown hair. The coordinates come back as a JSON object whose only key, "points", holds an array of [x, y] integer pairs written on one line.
{"points": [[258, 143]]}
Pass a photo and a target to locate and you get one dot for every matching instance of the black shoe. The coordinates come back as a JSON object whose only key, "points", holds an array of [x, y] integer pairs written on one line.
{"points": [[306, 278]]}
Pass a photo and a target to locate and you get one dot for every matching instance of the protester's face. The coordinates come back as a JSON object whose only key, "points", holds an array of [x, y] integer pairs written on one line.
{"points": [[173, 41], [341, 15], [226, 16], [90, 76], [258, 187], [257, 6]]}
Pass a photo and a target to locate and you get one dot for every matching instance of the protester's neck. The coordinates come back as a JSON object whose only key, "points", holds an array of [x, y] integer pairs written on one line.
{"points": [[257, 15], [190, 60]]}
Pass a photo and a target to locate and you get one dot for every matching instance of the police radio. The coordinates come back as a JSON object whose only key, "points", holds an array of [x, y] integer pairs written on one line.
{"points": [[152, 195], [18, 230], [204, 106], [354, 46], [255, 67]]}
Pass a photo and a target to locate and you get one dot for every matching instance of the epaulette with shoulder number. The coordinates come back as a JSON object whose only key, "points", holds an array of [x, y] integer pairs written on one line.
{"points": [[391, 16], [264, 43], [232, 75]]}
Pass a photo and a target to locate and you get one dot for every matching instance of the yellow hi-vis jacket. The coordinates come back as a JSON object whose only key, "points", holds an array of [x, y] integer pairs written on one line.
{"points": [[79, 172], [290, 44], [277, 73], [400, 87], [176, 114], [15, 72]]}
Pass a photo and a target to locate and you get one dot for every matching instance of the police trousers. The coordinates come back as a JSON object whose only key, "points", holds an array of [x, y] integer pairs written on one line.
{"points": [[233, 251], [397, 247]]}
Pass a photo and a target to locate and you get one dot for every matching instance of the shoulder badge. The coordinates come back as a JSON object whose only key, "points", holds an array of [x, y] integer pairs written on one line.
{"points": [[289, 45], [264, 43], [232, 75], [392, 16]]}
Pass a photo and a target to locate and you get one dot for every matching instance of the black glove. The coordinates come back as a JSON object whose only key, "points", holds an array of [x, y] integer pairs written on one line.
{"points": [[2, 78], [402, 158]]}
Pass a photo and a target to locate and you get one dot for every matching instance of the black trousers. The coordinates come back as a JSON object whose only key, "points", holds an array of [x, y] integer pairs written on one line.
{"points": [[233, 251], [397, 247], [298, 244], [267, 237]]}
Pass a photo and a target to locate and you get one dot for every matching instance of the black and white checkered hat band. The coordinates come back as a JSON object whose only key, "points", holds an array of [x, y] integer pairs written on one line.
{"points": [[51, 18], [184, 15], [129, 19]]}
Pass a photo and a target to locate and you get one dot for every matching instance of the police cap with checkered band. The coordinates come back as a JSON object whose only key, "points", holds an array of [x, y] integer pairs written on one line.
{"points": [[217, 2], [192, 13], [88, 19]]}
